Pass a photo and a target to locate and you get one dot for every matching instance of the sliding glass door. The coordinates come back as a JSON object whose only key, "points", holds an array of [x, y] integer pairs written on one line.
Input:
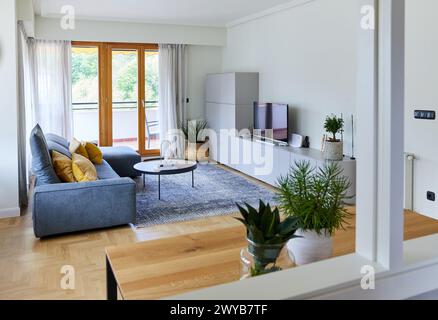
{"points": [[115, 95], [85, 92], [124, 88], [151, 105]]}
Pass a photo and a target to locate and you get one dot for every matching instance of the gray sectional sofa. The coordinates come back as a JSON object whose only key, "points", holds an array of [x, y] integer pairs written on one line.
{"points": [[69, 207]]}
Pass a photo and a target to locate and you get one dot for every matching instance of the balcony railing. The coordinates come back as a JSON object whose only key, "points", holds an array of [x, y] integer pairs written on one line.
{"points": [[77, 106], [125, 118]]}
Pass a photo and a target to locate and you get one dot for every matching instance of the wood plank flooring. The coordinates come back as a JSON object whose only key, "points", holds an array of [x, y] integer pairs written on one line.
{"points": [[30, 268]]}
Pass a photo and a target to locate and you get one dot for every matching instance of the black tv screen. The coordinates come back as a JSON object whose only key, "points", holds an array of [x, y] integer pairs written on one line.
{"points": [[272, 116]]}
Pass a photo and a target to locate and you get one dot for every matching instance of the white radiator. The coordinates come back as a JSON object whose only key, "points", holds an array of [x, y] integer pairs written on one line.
{"points": [[409, 181]]}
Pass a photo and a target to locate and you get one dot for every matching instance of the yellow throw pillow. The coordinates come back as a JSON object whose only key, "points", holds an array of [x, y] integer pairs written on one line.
{"points": [[83, 169], [78, 147], [94, 153], [63, 167]]}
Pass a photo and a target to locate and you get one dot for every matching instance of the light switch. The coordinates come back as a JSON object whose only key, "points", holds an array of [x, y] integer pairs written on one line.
{"points": [[424, 114]]}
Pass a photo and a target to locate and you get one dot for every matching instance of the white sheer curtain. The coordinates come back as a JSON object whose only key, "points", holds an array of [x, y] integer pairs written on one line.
{"points": [[50, 65], [173, 93]]}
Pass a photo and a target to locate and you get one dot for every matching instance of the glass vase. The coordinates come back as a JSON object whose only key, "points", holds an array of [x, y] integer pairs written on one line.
{"points": [[259, 259]]}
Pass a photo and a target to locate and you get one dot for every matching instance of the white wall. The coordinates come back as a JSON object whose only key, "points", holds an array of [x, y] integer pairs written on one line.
{"points": [[306, 57], [421, 136], [8, 110], [202, 60], [109, 31], [26, 13]]}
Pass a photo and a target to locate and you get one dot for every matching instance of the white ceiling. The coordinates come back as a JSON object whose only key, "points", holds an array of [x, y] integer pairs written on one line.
{"points": [[216, 13]]}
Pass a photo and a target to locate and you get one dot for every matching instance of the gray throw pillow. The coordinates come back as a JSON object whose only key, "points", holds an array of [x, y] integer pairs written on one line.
{"points": [[41, 160], [52, 145], [58, 139]]}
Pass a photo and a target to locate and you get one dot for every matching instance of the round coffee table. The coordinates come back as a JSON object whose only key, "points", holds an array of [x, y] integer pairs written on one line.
{"points": [[162, 168]]}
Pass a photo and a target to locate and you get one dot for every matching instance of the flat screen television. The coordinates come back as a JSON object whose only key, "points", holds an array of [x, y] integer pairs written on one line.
{"points": [[271, 116]]}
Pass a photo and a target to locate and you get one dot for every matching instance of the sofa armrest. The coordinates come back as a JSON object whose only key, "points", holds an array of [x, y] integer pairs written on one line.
{"points": [[69, 207]]}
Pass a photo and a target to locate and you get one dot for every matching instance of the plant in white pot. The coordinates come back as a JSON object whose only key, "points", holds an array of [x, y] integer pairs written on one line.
{"points": [[333, 147], [315, 197]]}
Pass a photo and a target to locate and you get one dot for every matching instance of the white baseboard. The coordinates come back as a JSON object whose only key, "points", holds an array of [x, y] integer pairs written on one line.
{"points": [[9, 213]]}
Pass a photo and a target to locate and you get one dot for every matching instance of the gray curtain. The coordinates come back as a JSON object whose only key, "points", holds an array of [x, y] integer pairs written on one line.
{"points": [[23, 152], [173, 93]]}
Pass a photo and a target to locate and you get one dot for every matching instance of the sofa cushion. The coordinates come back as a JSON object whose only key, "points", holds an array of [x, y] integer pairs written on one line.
{"points": [[41, 161], [122, 160], [78, 148], [83, 169], [94, 153], [54, 146], [58, 139], [104, 171], [63, 167]]}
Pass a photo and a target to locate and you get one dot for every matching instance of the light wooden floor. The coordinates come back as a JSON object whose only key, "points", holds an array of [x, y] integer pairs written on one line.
{"points": [[30, 268]]}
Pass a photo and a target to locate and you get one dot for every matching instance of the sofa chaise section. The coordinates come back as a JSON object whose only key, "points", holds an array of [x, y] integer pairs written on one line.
{"points": [[122, 160]]}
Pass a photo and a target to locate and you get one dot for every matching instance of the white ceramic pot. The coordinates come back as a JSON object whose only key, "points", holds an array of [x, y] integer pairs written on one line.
{"points": [[334, 150], [310, 248]]}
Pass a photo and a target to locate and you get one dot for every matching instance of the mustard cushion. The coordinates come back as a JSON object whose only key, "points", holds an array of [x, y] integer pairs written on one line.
{"points": [[63, 167], [83, 169], [94, 153], [78, 147]]}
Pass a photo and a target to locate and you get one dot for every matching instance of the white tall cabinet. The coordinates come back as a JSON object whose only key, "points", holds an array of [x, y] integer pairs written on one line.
{"points": [[229, 106]]}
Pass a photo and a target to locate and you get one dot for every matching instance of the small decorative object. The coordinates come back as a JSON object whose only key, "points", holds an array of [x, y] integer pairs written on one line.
{"points": [[196, 143], [306, 142], [296, 140], [165, 151], [266, 236], [334, 147], [315, 197]]}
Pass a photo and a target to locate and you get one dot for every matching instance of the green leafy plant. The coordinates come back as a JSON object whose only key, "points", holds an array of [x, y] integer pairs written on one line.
{"points": [[334, 125], [315, 197], [267, 235], [192, 129]]}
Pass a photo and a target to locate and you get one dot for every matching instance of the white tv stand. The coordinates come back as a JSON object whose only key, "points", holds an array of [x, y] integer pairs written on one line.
{"points": [[267, 162]]}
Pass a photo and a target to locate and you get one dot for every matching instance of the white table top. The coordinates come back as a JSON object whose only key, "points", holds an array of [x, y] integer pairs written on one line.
{"points": [[169, 167]]}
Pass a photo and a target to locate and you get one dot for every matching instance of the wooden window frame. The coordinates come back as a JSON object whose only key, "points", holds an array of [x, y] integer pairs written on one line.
{"points": [[105, 90]]}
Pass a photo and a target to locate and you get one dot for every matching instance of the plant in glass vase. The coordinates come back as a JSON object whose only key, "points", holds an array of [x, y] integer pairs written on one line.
{"points": [[267, 236]]}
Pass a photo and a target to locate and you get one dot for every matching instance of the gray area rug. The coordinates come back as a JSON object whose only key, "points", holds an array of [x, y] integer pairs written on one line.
{"points": [[216, 193]]}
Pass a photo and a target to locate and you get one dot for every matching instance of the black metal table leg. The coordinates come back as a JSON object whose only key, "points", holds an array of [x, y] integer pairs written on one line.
{"points": [[144, 181], [193, 178], [159, 187], [111, 284]]}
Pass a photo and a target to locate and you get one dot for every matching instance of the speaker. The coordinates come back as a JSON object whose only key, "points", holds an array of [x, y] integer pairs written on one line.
{"points": [[296, 140]]}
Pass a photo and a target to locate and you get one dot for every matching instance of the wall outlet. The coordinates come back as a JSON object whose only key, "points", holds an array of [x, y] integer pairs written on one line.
{"points": [[431, 196]]}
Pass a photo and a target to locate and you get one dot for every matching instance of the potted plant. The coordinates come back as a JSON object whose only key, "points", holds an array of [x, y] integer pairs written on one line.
{"points": [[315, 198], [333, 147], [193, 131], [266, 236]]}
